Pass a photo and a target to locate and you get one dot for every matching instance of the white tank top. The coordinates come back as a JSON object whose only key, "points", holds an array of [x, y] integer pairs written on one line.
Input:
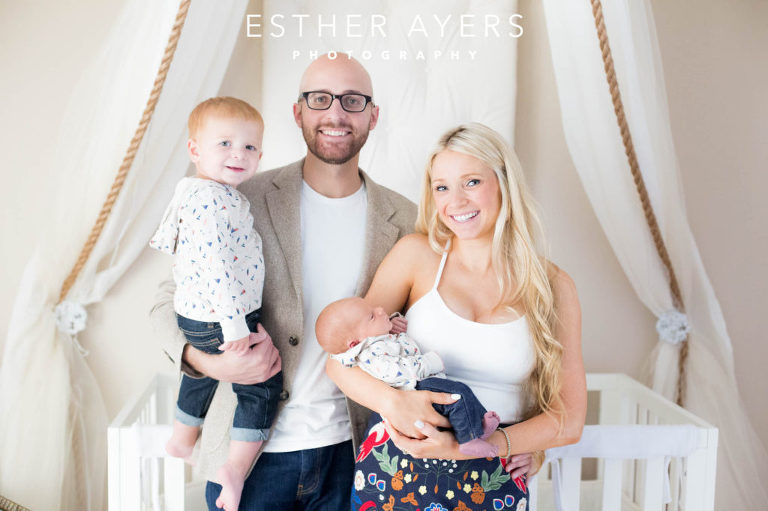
{"points": [[493, 359]]}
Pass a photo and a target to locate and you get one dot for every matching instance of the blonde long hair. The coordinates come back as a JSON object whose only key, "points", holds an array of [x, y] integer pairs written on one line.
{"points": [[519, 267]]}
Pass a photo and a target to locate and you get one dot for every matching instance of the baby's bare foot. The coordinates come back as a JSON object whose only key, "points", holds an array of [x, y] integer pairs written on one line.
{"points": [[490, 423], [479, 448], [231, 482]]}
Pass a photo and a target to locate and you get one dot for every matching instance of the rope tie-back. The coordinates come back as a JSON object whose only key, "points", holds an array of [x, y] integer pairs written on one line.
{"points": [[106, 208], [9, 505], [650, 217], [130, 154]]}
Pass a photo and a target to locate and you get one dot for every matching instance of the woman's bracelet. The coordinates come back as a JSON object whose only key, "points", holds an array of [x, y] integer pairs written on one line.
{"points": [[509, 444]]}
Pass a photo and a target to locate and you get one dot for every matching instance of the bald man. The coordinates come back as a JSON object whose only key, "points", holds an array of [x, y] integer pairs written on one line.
{"points": [[325, 227]]}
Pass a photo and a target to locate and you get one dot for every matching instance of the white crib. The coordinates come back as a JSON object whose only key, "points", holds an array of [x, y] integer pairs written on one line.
{"points": [[141, 476], [644, 453], [640, 452]]}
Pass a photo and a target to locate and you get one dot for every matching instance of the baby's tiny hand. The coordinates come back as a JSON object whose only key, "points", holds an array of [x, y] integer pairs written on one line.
{"points": [[399, 324], [238, 347]]}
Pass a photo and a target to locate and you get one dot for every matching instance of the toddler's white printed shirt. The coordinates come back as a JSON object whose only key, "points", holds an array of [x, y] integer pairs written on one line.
{"points": [[218, 263]]}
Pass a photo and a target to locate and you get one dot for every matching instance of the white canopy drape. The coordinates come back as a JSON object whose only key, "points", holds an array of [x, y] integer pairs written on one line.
{"points": [[52, 433], [593, 138]]}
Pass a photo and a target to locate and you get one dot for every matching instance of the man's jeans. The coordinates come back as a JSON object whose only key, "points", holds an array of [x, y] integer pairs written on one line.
{"points": [[309, 480], [256, 404], [465, 415]]}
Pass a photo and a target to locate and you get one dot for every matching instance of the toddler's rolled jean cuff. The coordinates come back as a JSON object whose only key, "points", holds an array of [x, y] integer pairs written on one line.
{"points": [[248, 435], [187, 419]]}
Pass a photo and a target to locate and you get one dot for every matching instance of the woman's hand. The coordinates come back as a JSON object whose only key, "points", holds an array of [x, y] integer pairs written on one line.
{"points": [[406, 408], [433, 444], [443, 445], [519, 465]]}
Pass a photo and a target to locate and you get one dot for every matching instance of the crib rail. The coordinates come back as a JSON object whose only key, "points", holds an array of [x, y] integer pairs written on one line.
{"points": [[641, 453], [140, 474], [647, 454]]}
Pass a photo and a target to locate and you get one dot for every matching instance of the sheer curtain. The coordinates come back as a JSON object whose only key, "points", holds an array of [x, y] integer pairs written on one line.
{"points": [[53, 428], [595, 145]]}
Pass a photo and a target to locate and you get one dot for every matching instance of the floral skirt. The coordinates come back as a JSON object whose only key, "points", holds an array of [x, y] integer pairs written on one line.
{"points": [[388, 480]]}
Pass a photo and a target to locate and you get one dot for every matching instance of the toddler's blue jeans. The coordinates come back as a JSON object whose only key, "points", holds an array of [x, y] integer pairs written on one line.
{"points": [[256, 404]]}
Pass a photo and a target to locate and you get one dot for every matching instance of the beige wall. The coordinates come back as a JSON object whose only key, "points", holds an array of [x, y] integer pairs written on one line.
{"points": [[715, 57], [716, 70], [715, 64]]}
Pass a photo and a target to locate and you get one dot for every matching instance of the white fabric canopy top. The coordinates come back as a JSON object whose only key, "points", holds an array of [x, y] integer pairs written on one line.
{"points": [[595, 144]]}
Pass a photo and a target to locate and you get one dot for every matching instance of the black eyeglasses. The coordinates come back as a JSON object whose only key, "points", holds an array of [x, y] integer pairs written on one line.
{"points": [[317, 100]]}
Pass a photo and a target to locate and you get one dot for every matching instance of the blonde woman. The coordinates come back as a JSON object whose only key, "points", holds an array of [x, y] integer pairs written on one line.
{"points": [[505, 321]]}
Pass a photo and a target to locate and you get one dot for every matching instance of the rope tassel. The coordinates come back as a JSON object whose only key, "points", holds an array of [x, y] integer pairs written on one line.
{"points": [[642, 191], [130, 154]]}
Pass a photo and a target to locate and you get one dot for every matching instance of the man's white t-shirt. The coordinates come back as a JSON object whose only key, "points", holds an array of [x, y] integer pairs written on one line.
{"points": [[332, 253]]}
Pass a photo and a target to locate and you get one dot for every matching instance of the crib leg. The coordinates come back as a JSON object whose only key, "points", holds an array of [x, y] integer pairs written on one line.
{"points": [[173, 474], [571, 484], [653, 491], [612, 469]]}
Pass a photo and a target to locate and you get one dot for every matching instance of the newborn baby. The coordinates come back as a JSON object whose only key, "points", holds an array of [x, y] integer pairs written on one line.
{"points": [[357, 334]]}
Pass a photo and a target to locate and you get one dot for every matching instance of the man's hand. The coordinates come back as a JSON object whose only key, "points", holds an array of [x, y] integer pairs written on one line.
{"points": [[258, 364]]}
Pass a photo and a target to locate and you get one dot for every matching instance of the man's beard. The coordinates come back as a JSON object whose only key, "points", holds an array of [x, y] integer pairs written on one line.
{"points": [[310, 137]]}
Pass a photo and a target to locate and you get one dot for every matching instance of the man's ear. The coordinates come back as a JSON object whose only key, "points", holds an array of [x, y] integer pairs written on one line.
{"points": [[192, 150], [297, 114], [374, 117]]}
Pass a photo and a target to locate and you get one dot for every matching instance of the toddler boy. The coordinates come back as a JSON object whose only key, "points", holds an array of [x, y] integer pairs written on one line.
{"points": [[219, 272]]}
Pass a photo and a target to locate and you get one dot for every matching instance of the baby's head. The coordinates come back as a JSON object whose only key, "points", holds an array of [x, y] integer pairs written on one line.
{"points": [[225, 140], [344, 323]]}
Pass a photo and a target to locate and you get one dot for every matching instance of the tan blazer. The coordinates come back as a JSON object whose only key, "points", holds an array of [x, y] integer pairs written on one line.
{"points": [[274, 197]]}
